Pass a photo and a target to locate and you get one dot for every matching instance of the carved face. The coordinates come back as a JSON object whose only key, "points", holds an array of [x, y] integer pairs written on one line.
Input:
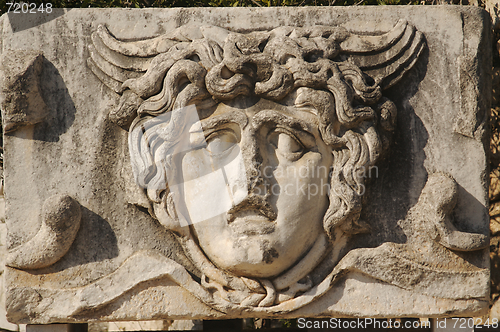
{"points": [[257, 192], [266, 189], [253, 178]]}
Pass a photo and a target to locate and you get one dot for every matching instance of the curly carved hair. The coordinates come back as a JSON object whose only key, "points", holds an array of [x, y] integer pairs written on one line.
{"points": [[268, 65]]}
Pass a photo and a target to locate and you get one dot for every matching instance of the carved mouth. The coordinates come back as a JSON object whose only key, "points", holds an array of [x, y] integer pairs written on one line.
{"points": [[248, 215], [252, 208], [251, 222]]}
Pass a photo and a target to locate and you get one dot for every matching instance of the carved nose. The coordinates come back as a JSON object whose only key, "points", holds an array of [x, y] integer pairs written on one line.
{"points": [[252, 158]]}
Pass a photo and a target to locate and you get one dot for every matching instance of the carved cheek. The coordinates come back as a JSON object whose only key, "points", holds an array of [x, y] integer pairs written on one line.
{"points": [[304, 171], [210, 191], [196, 164]]}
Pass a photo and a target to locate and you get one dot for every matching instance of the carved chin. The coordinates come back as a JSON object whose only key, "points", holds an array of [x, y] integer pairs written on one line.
{"points": [[252, 258]]}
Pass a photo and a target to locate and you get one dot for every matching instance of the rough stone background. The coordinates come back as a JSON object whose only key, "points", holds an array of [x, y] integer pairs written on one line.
{"points": [[494, 194]]}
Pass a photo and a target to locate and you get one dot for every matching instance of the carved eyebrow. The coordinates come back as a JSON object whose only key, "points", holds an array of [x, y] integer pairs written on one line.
{"points": [[221, 119], [276, 117]]}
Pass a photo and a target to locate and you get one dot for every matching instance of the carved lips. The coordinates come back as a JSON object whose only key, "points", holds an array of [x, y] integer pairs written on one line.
{"points": [[253, 207]]}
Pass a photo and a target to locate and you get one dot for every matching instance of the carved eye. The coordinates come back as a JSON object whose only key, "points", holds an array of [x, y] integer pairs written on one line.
{"points": [[221, 141], [286, 144]]}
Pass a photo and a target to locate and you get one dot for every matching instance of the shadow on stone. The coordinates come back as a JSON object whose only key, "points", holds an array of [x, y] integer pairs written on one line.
{"points": [[19, 21], [57, 98], [103, 245], [402, 171]]}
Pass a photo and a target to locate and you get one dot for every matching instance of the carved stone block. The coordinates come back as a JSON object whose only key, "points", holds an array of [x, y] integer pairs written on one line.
{"points": [[229, 163], [22, 102]]}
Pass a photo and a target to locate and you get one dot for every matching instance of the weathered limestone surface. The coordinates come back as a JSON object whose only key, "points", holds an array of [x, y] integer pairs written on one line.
{"points": [[150, 179], [4, 324], [167, 325]]}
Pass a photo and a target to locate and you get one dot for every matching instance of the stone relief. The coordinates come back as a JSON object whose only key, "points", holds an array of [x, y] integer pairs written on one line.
{"points": [[60, 222], [252, 150], [222, 122], [22, 103]]}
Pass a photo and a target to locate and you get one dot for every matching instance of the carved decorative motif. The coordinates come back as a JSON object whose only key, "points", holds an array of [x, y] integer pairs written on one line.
{"points": [[335, 75], [21, 98], [61, 216], [227, 172]]}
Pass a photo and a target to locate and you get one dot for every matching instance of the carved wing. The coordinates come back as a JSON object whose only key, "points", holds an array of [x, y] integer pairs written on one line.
{"points": [[385, 58], [114, 61], [141, 66], [136, 69]]}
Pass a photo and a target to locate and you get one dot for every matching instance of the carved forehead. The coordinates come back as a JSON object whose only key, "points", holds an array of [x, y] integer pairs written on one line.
{"points": [[300, 109]]}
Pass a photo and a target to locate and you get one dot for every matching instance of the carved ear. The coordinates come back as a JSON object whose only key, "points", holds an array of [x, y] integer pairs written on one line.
{"points": [[385, 58]]}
